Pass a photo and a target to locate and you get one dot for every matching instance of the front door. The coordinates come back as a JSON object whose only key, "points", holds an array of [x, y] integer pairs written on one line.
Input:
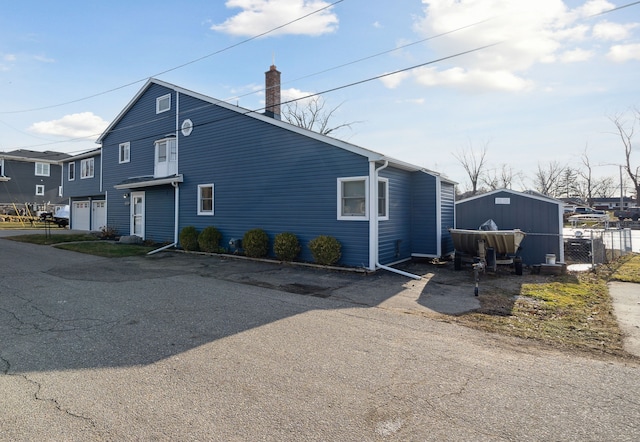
{"points": [[137, 214]]}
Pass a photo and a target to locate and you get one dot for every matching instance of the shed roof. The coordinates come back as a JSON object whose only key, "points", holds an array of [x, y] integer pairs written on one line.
{"points": [[527, 194]]}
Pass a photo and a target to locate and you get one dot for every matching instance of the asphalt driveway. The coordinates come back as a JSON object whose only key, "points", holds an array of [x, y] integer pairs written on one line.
{"points": [[188, 347]]}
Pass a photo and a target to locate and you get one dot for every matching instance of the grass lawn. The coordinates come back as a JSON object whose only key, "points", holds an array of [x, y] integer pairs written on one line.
{"points": [[85, 243], [571, 311], [106, 249]]}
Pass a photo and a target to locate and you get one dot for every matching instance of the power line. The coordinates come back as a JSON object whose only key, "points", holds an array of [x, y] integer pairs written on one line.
{"points": [[179, 66], [258, 110]]}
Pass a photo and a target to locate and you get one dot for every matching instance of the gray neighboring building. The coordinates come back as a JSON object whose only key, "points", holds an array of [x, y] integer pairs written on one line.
{"points": [[30, 179], [539, 216]]}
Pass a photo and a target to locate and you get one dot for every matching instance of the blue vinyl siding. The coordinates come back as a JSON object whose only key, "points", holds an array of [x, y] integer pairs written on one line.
{"points": [[266, 177], [395, 233], [81, 187], [159, 214], [424, 214], [141, 127], [21, 188]]}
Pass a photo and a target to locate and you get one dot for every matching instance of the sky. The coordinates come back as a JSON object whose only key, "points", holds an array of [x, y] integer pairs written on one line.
{"points": [[532, 82]]}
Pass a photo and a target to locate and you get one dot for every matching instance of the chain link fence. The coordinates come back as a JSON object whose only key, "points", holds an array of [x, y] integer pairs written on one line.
{"points": [[599, 246]]}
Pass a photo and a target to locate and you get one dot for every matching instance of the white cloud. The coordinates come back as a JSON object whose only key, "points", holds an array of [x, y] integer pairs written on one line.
{"points": [[472, 79], [621, 53], [258, 16], [528, 33], [84, 124], [576, 55], [613, 31], [393, 81]]}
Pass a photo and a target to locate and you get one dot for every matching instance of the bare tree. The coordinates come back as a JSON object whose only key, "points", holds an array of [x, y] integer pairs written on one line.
{"points": [[604, 188], [586, 173], [311, 114], [499, 178], [474, 163], [548, 179], [626, 131]]}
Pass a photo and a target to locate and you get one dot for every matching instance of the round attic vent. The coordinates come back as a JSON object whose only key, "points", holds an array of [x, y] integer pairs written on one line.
{"points": [[187, 127]]}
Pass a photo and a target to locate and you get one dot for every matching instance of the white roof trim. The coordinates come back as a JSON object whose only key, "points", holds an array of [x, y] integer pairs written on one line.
{"points": [[369, 154], [513, 192], [150, 183]]}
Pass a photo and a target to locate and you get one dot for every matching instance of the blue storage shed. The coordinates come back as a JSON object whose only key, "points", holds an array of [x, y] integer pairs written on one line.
{"points": [[539, 216]]}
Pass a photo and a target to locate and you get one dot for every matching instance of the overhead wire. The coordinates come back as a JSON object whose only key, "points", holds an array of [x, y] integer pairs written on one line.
{"points": [[307, 76], [247, 40]]}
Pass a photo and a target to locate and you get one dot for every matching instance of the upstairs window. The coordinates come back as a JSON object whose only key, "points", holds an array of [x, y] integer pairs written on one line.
{"points": [[86, 168], [163, 103], [39, 190], [42, 169], [124, 155], [72, 171]]}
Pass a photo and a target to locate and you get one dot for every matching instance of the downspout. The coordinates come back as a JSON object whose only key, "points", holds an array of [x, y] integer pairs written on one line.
{"points": [[176, 188], [374, 247]]}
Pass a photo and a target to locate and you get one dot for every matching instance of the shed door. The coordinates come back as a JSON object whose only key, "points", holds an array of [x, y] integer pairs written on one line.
{"points": [[99, 215], [80, 215]]}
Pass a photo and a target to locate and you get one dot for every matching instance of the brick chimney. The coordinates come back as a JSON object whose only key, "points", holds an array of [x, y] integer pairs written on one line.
{"points": [[272, 92]]}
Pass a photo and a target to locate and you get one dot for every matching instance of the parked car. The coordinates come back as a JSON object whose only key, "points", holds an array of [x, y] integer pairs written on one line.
{"points": [[632, 213]]}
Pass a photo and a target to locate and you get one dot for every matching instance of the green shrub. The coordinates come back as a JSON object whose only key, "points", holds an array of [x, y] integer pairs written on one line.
{"points": [[286, 246], [325, 249], [255, 243], [189, 238], [209, 240]]}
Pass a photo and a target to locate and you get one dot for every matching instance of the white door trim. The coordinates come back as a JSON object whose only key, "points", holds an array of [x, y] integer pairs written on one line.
{"points": [[137, 214]]}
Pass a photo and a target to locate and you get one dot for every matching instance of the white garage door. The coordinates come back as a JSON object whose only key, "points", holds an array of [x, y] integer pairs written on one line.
{"points": [[80, 215], [99, 218]]}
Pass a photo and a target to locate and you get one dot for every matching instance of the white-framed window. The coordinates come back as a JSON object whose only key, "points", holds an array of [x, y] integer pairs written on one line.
{"points": [[1, 166], [71, 171], [163, 103], [353, 194], [42, 169], [124, 154], [39, 190], [383, 199], [86, 168], [59, 190], [166, 160], [353, 197], [205, 199]]}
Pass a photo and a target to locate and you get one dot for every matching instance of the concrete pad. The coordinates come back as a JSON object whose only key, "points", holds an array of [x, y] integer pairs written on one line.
{"points": [[626, 305]]}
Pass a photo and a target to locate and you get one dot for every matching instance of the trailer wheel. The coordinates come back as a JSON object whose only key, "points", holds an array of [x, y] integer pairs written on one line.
{"points": [[517, 263]]}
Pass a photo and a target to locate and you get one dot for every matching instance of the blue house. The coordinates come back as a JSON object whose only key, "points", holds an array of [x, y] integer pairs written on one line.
{"points": [[82, 187], [174, 158]]}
